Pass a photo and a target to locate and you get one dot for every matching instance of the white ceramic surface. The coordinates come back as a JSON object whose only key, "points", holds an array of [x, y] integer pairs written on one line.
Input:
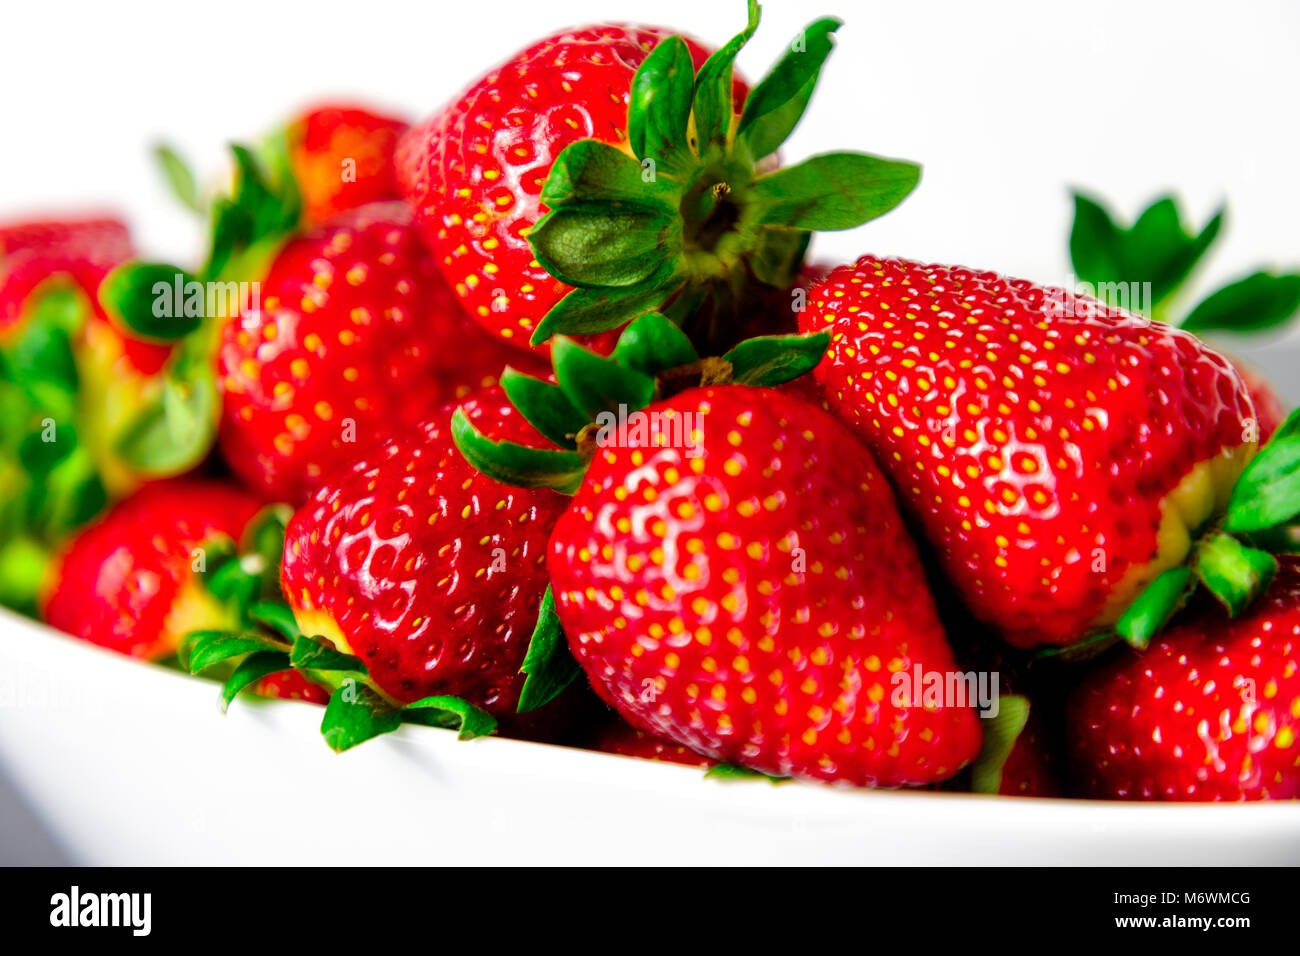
{"points": [[132, 764]]}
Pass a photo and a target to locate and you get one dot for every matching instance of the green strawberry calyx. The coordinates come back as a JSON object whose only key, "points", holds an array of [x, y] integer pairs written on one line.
{"points": [[697, 220], [165, 303], [268, 640], [1233, 558], [1158, 250], [593, 393]]}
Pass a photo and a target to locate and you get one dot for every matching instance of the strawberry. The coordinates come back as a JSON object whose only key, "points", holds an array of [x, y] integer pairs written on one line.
{"points": [[725, 588], [1058, 454], [341, 157], [621, 738], [429, 572], [350, 340], [598, 158], [732, 653], [1210, 711], [131, 581], [103, 236]]}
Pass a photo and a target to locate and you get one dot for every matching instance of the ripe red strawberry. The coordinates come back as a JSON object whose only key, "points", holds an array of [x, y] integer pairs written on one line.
{"points": [[751, 597], [130, 582], [597, 176], [474, 172], [341, 157], [428, 571], [619, 737], [355, 335], [1210, 711], [1058, 454]]}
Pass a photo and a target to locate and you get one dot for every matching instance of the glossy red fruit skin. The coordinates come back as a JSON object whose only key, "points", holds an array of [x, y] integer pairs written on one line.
{"points": [[1031, 433], [119, 581], [291, 685], [428, 571], [621, 738], [341, 157], [1210, 711], [474, 172], [356, 335], [678, 587]]}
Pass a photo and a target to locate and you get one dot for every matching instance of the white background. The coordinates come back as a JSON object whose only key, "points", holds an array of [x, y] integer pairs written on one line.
{"points": [[1005, 103]]}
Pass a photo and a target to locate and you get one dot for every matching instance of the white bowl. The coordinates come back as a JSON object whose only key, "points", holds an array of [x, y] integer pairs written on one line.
{"points": [[126, 763]]}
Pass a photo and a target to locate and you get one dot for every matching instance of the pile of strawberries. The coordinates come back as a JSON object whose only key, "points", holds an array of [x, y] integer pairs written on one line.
{"points": [[532, 419]]}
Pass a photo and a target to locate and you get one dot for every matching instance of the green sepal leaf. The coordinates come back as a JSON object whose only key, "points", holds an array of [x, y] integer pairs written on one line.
{"points": [[278, 617], [1233, 572], [777, 258], [584, 311], [1156, 249], [775, 106], [834, 191], [1000, 735], [178, 176], [595, 384], [549, 665], [603, 244], [712, 104], [544, 406], [176, 432], [514, 464], [154, 300], [39, 456], [652, 343], [356, 713], [593, 171], [251, 670], [261, 549], [1153, 608], [769, 360], [1159, 251], [1257, 302], [212, 647], [261, 210], [1094, 242], [229, 580], [40, 357], [452, 713], [1081, 650], [308, 653], [659, 104], [1268, 492], [733, 771], [1283, 539]]}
